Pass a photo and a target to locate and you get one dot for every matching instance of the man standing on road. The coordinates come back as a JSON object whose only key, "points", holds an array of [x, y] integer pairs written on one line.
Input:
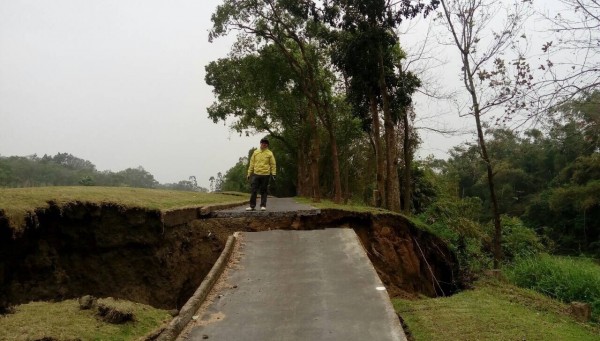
{"points": [[261, 168]]}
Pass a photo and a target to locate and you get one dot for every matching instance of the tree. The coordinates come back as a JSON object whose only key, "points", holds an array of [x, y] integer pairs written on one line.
{"points": [[368, 54], [584, 116], [193, 181], [548, 178], [64, 169], [69, 161], [235, 177], [486, 75], [410, 142], [285, 24], [136, 177], [212, 183], [577, 31], [262, 94], [219, 182]]}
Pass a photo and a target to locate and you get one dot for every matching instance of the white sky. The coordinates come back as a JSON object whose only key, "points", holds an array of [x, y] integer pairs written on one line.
{"points": [[121, 83]]}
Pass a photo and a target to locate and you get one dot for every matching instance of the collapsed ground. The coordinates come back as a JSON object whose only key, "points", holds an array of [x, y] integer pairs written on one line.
{"points": [[144, 256]]}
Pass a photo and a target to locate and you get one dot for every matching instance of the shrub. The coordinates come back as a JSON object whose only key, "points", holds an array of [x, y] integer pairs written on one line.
{"points": [[519, 240], [565, 278], [453, 220]]}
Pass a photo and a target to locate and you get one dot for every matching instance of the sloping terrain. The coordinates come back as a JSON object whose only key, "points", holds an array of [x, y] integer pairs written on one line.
{"points": [[151, 257]]}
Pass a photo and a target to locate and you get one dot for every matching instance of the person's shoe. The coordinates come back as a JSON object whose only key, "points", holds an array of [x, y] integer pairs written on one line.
{"points": [[262, 208], [249, 208]]}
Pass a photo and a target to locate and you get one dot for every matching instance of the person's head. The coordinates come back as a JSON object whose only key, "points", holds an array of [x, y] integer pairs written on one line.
{"points": [[264, 144]]}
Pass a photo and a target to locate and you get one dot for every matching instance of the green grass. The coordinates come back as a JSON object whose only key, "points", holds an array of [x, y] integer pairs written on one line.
{"points": [[328, 204], [492, 311], [565, 278], [16, 202], [65, 321]]}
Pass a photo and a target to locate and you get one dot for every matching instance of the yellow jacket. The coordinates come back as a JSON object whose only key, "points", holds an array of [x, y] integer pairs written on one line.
{"points": [[262, 162]]}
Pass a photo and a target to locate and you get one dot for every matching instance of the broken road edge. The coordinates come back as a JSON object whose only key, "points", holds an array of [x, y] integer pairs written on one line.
{"points": [[177, 324]]}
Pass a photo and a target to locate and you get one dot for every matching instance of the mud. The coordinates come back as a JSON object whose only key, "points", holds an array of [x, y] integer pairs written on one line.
{"points": [[142, 256]]}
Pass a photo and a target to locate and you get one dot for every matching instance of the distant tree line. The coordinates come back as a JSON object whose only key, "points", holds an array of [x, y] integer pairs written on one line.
{"points": [[64, 169]]}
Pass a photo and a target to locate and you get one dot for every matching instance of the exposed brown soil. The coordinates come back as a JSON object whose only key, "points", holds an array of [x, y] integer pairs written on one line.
{"points": [[109, 251]]}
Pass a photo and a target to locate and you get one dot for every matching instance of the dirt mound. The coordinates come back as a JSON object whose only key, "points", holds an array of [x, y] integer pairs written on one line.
{"points": [[108, 251], [114, 315]]}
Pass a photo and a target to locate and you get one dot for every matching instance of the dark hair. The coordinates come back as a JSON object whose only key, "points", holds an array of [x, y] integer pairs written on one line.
{"points": [[264, 141]]}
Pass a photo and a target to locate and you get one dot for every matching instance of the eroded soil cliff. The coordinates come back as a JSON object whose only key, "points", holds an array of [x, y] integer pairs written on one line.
{"points": [[144, 256]]}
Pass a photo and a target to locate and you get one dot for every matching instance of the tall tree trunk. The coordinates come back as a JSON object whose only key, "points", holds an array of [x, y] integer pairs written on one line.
{"points": [[379, 156], [392, 180], [346, 173], [497, 244], [490, 177], [337, 182], [314, 155], [304, 69], [304, 187], [406, 204]]}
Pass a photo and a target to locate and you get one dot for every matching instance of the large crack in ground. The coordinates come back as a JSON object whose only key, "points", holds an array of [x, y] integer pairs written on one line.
{"points": [[109, 251]]}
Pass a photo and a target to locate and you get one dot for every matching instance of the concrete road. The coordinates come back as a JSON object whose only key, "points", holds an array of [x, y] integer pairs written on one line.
{"points": [[301, 285], [275, 207]]}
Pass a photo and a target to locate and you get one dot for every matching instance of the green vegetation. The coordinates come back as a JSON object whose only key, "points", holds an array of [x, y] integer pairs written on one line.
{"points": [[359, 208], [64, 169], [328, 204], [565, 278], [283, 79], [278, 80], [65, 321], [548, 178], [492, 311], [16, 202], [328, 83]]}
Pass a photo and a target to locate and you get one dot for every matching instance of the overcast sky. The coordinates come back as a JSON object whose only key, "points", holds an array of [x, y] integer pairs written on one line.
{"points": [[121, 83]]}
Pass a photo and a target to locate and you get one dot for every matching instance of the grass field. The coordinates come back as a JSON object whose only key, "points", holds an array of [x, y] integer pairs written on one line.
{"points": [[16, 202], [65, 321], [493, 311]]}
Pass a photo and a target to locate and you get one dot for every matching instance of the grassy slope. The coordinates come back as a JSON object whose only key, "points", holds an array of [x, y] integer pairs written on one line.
{"points": [[65, 321], [493, 311], [16, 202]]}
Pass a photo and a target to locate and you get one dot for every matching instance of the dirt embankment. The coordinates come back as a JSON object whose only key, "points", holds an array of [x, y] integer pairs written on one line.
{"points": [[106, 250]]}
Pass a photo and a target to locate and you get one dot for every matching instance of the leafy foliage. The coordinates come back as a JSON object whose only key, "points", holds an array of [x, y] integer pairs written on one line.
{"points": [[549, 179], [519, 240], [565, 278], [235, 178], [454, 220]]}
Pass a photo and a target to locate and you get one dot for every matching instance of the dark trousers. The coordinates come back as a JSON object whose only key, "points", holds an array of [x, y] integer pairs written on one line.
{"points": [[260, 183]]}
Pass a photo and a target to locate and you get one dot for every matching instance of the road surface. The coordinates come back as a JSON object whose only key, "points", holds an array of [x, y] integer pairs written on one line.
{"points": [[300, 285], [275, 207]]}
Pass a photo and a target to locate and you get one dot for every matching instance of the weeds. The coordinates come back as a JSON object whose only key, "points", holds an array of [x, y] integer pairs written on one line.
{"points": [[567, 279]]}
